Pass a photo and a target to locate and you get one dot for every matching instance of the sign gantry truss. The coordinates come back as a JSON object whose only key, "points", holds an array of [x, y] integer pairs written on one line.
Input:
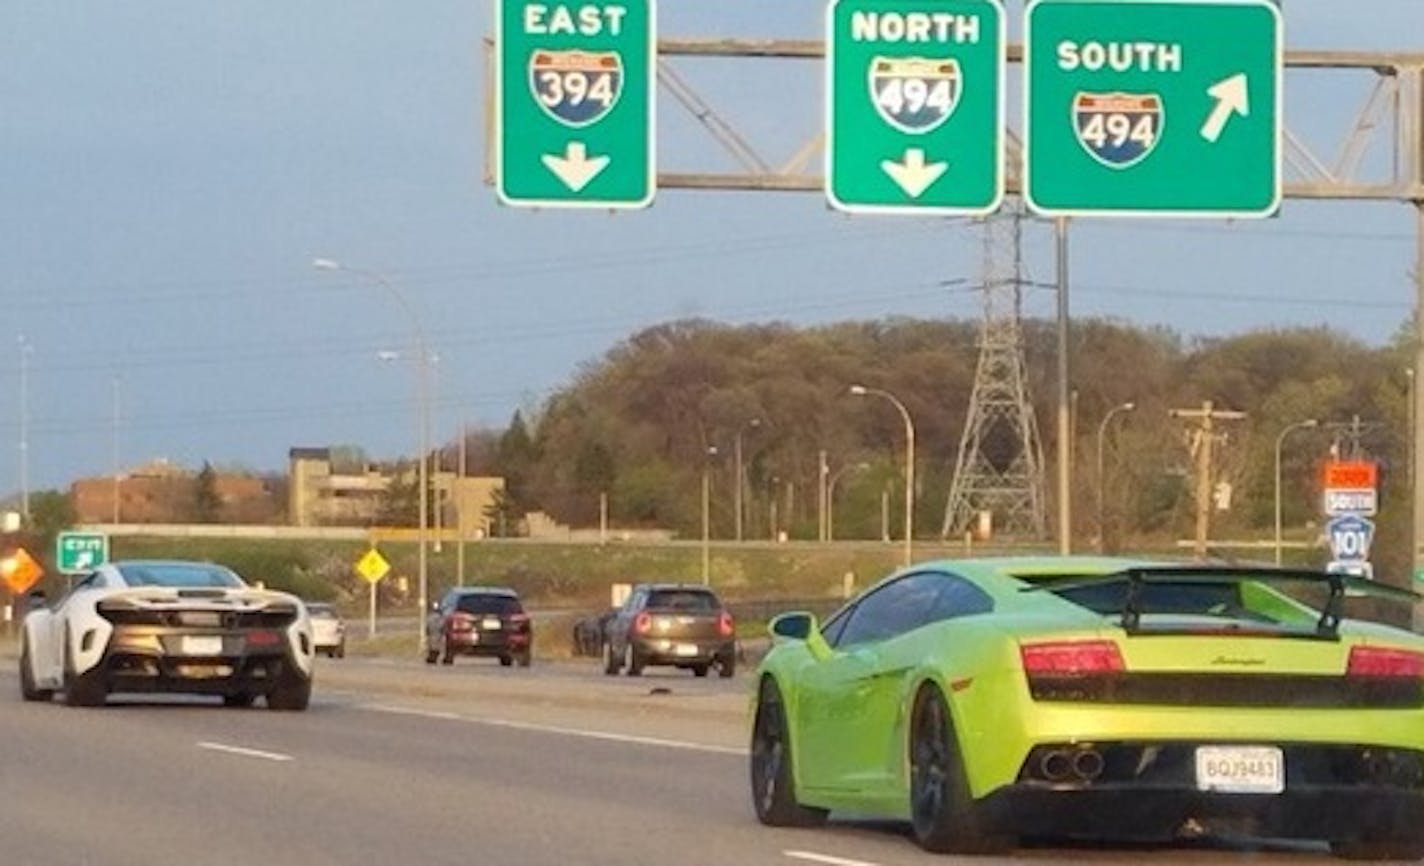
{"points": [[1378, 156]]}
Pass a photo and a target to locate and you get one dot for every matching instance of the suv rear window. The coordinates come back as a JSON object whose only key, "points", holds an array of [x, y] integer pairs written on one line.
{"points": [[486, 603], [683, 599]]}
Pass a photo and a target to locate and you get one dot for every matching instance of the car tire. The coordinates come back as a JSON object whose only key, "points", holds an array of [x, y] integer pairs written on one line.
{"points": [[1405, 850], [28, 690], [431, 655], [447, 656], [506, 661], [241, 699], [340, 651], [292, 692], [611, 662], [773, 778], [943, 815], [700, 670], [633, 660], [727, 665], [82, 690]]}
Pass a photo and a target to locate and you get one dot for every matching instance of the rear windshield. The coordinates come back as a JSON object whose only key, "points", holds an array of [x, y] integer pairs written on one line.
{"points": [[181, 575], [496, 604], [321, 611], [1196, 599], [683, 599]]}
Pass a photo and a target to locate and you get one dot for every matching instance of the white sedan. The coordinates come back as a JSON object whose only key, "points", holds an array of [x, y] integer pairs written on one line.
{"points": [[328, 629], [170, 627]]}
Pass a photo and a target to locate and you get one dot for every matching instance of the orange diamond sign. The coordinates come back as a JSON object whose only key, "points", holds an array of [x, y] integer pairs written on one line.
{"points": [[20, 571]]}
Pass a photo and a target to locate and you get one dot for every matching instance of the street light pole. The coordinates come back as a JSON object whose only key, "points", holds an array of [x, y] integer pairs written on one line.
{"points": [[741, 480], [831, 496], [861, 391], [707, 515], [423, 423], [1102, 482], [1307, 424], [25, 350]]}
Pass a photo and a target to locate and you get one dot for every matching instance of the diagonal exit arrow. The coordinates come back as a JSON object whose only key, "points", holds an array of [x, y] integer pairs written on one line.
{"points": [[1232, 97], [575, 168], [912, 174]]}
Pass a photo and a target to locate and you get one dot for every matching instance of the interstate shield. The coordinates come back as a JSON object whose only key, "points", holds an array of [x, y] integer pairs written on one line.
{"points": [[915, 94], [1118, 129], [576, 88]]}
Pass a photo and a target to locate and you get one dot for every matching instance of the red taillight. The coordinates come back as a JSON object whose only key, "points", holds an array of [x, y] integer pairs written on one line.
{"points": [[725, 626], [263, 638], [461, 622], [519, 620], [644, 623], [1370, 661], [1067, 658]]}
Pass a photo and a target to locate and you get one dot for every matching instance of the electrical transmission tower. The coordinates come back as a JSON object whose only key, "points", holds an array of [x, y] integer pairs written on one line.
{"points": [[1000, 465]]}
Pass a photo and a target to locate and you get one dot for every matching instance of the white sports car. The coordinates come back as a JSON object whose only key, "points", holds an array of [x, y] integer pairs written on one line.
{"points": [[160, 626]]}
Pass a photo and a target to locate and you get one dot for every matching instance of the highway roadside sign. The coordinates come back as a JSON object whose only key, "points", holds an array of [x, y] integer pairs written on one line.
{"points": [[80, 552], [1153, 107], [574, 103], [1350, 537], [915, 106], [372, 566], [1351, 487], [20, 571]]}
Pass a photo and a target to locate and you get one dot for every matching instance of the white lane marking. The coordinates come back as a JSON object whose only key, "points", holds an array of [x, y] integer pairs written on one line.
{"points": [[608, 736], [246, 753], [827, 858]]}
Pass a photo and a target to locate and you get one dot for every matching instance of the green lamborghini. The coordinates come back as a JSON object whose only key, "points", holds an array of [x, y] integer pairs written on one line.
{"points": [[985, 701]]}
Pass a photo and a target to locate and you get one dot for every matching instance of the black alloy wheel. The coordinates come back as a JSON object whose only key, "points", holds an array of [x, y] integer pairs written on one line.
{"points": [[772, 780], [611, 662], [943, 814]]}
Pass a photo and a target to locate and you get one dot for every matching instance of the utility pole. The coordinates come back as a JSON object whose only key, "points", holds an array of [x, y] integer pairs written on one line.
{"points": [[459, 501], [115, 455], [1203, 439]]}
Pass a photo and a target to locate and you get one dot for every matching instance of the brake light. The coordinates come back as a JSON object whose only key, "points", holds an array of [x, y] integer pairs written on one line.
{"points": [[1069, 658], [644, 623], [263, 638], [1369, 661], [461, 622], [725, 626]]}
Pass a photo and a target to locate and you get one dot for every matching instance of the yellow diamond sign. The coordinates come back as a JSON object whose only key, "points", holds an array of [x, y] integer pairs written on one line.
{"points": [[373, 566]]}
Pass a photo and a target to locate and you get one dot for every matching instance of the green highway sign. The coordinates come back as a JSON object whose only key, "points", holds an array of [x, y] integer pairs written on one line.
{"points": [[574, 103], [915, 106], [1153, 107], [80, 552]]}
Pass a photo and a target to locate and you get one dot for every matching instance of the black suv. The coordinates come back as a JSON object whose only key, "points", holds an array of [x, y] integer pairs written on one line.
{"points": [[681, 625], [479, 621]]}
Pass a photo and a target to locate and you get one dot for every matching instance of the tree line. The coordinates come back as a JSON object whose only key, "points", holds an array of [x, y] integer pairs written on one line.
{"points": [[642, 423]]}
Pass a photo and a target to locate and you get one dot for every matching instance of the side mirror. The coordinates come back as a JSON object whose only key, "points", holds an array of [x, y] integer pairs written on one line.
{"points": [[793, 626], [36, 598]]}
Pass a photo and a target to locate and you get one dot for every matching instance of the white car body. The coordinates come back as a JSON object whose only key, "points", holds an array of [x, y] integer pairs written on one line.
{"points": [[117, 633], [328, 630]]}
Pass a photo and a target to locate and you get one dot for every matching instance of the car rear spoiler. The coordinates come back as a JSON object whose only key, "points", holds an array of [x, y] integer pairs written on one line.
{"points": [[1136, 578]]}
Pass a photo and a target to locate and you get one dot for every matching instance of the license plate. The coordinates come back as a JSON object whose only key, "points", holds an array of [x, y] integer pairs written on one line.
{"points": [[206, 645], [1241, 769], [490, 623], [686, 649]]}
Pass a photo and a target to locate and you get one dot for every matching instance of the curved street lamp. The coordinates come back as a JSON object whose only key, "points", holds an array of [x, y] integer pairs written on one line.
{"points": [[1102, 482], [423, 421], [831, 495], [861, 391], [1308, 424], [741, 480]]}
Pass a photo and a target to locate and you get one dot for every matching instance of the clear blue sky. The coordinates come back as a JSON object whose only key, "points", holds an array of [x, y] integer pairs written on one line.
{"points": [[168, 169]]}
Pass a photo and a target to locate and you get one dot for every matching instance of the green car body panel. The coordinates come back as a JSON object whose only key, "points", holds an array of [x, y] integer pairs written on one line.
{"points": [[849, 708]]}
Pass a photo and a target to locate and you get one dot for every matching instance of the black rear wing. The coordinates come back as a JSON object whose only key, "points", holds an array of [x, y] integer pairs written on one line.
{"points": [[1136, 578]]}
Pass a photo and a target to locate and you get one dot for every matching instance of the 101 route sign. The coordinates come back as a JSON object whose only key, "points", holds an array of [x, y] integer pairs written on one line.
{"points": [[1153, 107], [574, 103], [915, 106]]}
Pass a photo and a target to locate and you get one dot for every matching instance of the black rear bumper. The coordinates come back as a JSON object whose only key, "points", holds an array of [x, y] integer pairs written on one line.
{"points": [[149, 660], [664, 650], [1135, 814], [1146, 791]]}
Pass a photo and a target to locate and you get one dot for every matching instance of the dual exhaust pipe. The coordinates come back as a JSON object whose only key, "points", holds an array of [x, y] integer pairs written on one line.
{"points": [[1071, 765]]}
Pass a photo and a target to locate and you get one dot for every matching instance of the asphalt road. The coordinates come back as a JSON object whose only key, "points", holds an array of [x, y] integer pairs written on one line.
{"points": [[399, 763]]}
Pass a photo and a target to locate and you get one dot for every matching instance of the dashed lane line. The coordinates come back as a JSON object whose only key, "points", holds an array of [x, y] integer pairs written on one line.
{"points": [[244, 752]]}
